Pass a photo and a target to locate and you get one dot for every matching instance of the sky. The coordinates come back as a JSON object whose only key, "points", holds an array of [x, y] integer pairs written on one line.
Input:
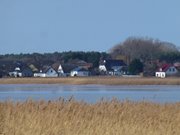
{"points": [[43, 26]]}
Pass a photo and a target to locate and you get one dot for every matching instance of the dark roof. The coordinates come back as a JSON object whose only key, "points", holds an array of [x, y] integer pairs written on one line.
{"points": [[45, 69], [67, 68], [79, 69], [22, 69], [112, 63], [55, 66], [26, 69]]}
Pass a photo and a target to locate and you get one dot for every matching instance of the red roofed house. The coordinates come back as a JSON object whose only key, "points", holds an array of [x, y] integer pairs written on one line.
{"points": [[166, 69]]}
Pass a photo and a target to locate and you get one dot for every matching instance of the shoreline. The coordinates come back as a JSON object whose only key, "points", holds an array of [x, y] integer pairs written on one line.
{"points": [[94, 80]]}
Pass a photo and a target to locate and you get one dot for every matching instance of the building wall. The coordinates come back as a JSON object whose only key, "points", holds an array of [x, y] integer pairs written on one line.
{"points": [[51, 73], [15, 74], [39, 75], [27, 73], [79, 73], [161, 74], [171, 71], [102, 68], [60, 69]]}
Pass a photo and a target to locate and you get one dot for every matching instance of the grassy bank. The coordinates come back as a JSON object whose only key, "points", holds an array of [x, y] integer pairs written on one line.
{"points": [[93, 80], [77, 118]]}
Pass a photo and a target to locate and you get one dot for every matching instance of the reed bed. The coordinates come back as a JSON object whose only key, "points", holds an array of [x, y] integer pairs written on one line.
{"points": [[71, 117], [94, 80]]}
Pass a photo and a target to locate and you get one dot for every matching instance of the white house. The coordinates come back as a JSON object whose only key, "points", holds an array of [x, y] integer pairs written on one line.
{"points": [[64, 69], [112, 67], [161, 74], [51, 73], [79, 72], [40, 74], [47, 72], [16, 73], [166, 70]]}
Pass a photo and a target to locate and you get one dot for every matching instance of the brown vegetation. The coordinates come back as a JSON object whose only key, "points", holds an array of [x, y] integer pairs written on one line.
{"points": [[144, 49], [94, 80], [69, 117]]}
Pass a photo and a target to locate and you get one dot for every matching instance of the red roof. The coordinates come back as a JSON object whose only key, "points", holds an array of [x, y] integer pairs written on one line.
{"points": [[165, 67]]}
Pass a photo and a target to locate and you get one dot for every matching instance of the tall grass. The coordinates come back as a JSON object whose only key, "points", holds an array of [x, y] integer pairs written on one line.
{"points": [[69, 117], [94, 80]]}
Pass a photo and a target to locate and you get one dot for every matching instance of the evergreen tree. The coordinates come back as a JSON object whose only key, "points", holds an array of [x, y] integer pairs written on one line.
{"points": [[135, 67]]}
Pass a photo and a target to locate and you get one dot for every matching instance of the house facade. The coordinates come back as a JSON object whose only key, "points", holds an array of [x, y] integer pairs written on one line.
{"points": [[166, 70], [79, 72], [112, 67], [160, 74], [39, 74], [65, 69], [47, 72], [21, 72], [16, 72], [51, 73], [27, 72]]}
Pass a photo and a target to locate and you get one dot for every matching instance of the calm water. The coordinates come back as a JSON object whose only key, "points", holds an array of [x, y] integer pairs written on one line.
{"points": [[90, 93]]}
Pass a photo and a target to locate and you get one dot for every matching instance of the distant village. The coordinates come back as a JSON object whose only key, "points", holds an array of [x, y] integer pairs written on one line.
{"points": [[80, 68], [134, 57]]}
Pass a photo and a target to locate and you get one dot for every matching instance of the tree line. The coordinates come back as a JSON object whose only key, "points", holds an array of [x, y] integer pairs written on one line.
{"points": [[138, 54], [8, 61]]}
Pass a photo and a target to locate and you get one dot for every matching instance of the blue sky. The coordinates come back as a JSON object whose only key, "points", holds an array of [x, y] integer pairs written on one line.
{"points": [[28, 26]]}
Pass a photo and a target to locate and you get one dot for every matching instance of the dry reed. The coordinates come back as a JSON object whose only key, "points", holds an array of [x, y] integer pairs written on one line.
{"points": [[94, 80], [69, 117]]}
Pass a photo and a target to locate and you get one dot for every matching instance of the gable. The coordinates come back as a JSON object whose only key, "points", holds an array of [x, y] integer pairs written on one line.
{"points": [[67, 68], [114, 64], [60, 69], [171, 69], [51, 71]]}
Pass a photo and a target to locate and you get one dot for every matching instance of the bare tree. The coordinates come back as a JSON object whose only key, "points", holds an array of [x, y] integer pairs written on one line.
{"points": [[142, 48]]}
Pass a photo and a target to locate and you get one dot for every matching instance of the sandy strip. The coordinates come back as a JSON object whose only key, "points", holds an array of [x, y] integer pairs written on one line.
{"points": [[93, 80]]}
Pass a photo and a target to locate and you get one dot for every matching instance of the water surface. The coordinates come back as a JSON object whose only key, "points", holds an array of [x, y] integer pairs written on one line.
{"points": [[90, 93]]}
